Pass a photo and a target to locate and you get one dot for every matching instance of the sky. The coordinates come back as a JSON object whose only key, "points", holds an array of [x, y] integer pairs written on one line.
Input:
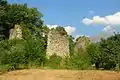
{"points": [[79, 17]]}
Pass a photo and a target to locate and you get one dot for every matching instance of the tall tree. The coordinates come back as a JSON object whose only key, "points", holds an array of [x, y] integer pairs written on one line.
{"points": [[3, 5], [71, 45], [106, 53], [95, 55], [19, 13], [110, 49], [3, 2]]}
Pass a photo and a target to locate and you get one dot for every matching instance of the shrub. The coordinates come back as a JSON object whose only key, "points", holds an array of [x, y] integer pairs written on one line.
{"points": [[22, 53], [54, 61], [77, 62]]}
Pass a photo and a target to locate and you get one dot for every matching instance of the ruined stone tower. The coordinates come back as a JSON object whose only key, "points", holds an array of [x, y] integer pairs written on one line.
{"points": [[81, 43], [57, 44], [16, 32]]}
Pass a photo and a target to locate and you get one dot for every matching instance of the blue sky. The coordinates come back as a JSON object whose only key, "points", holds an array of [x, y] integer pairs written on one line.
{"points": [[72, 12]]}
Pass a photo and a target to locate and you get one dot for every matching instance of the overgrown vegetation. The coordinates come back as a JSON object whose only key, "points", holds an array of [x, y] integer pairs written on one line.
{"points": [[31, 50], [18, 54]]}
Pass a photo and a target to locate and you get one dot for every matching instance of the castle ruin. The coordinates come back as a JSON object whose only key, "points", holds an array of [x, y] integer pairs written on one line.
{"points": [[16, 32], [57, 44]]}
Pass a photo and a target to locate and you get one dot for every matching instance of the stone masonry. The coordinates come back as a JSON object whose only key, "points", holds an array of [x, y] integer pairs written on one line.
{"points": [[16, 32], [57, 44]]}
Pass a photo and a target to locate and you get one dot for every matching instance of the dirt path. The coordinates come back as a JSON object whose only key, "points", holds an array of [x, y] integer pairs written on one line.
{"points": [[37, 74]]}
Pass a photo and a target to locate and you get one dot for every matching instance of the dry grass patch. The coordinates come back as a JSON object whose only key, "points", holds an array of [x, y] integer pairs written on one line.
{"points": [[38, 74]]}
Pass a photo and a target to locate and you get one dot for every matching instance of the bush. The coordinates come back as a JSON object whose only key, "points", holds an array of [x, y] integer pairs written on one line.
{"points": [[22, 53], [79, 62], [94, 53], [54, 62], [11, 53]]}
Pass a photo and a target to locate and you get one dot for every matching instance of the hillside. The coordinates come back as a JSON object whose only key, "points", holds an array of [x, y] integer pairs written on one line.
{"points": [[37, 74]]}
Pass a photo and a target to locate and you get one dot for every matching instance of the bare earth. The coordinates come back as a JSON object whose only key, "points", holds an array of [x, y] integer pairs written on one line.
{"points": [[38, 74]]}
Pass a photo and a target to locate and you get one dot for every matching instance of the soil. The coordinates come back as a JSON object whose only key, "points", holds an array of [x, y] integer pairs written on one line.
{"points": [[38, 74]]}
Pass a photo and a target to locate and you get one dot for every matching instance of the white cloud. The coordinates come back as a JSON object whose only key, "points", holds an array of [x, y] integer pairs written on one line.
{"points": [[109, 21], [77, 36], [82, 36], [52, 26], [68, 29], [106, 20], [109, 29], [87, 21]]}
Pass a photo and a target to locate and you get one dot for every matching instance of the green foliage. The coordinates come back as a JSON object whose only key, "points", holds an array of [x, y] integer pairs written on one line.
{"points": [[71, 45], [54, 61], [45, 30], [3, 2], [12, 14], [36, 51], [15, 53], [105, 54], [17, 13], [31, 50], [94, 53], [61, 30], [79, 61], [74, 62], [110, 49]]}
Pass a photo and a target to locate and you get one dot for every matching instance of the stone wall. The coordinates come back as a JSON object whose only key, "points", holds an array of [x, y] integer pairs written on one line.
{"points": [[57, 44], [16, 32], [81, 43]]}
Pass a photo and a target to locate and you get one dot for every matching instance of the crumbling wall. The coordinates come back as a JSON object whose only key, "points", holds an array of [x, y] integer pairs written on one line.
{"points": [[16, 32], [57, 44], [81, 43]]}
